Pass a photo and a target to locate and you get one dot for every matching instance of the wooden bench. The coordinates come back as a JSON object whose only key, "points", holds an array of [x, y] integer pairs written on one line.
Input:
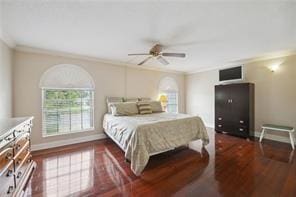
{"points": [[279, 128]]}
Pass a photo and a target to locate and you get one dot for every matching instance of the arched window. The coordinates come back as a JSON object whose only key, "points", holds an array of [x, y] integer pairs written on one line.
{"points": [[169, 87], [67, 100]]}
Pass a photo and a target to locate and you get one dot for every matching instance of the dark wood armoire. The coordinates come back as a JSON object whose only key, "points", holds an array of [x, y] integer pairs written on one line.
{"points": [[234, 109]]}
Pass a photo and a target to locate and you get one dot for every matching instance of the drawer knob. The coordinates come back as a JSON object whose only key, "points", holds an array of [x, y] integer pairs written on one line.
{"points": [[18, 161], [219, 118], [10, 189], [18, 146], [8, 156], [241, 121], [9, 173], [241, 129], [19, 174], [219, 125], [29, 159]]}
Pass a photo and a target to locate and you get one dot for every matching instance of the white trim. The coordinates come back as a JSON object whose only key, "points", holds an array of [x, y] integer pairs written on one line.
{"points": [[68, 76], [6, 39], [273, 137], [51, 88], [58, 143], [67, 133], [94, 59], [209, 126]]}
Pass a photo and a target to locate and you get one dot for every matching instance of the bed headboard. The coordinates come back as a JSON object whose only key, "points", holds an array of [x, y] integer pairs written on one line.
{"points": [[114, 99]]}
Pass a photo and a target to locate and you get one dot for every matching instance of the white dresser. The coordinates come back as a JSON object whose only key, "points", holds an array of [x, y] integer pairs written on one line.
{"points": [[16, 164]]}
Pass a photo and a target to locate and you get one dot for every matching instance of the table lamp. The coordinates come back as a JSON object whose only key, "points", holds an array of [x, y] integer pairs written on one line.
{"points": [[163, 99]]}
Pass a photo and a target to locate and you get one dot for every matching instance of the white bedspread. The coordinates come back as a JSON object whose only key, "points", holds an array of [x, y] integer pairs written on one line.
{"points": [[141, 135]]}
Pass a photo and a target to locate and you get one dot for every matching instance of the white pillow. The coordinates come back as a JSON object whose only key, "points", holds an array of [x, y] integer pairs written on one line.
{"points": [[124, 109], [131, 100], [113, 100], [155, 106], [144, 99]]}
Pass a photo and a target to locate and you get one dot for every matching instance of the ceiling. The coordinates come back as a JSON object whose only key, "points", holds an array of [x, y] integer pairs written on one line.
{"points": [[211, 33]]}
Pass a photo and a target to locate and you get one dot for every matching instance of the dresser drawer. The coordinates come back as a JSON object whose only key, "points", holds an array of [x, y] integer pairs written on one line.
{"points": [[7, 186], [243, 123], [6, 156], [22, 168], [7, 140], [20, 142], [223, 127], [242, 130], [19, 158]]}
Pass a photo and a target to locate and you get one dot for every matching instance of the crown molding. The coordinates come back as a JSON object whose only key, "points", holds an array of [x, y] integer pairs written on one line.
{"points": [[89, 58], [264, 57], [6, 39]]}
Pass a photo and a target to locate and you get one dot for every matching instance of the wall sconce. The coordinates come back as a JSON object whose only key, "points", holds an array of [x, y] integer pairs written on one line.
{"points": [[274, 67]]}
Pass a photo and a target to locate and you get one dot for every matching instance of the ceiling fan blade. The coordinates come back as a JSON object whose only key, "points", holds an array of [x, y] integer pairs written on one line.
{"points": [[174, 54], [145, 60], [162, 60], [138, 54]]}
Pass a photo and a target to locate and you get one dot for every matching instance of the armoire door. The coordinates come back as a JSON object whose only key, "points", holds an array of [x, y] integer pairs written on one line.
{"points": [[240, 108], [222, 108]]}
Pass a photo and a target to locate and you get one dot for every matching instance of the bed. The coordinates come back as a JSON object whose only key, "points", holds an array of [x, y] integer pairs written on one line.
{"points": [[141, 136]]}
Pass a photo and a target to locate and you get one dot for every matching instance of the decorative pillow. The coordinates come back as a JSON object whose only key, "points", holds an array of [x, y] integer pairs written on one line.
{"points": [[155, 106], [131, 100], [144, 108], [144, 99], [124, 109], [113, 100]]}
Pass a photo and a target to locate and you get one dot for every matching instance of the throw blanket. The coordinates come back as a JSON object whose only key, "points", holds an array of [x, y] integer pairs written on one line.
{"points": [[142, 135]]}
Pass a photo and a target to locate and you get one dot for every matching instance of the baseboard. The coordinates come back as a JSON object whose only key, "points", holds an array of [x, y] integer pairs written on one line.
{"points": [[42, 146], [274, 137], [210, 126], [54, 144], [268, 136]]}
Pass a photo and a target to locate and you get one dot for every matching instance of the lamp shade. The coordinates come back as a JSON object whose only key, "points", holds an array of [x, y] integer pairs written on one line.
{"points": [[163, 98]]}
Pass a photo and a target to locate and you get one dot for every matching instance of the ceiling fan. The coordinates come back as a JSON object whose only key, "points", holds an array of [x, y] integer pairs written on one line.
{"points": [[156, 51]]}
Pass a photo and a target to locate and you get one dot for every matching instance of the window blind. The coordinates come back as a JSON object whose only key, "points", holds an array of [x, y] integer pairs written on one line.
{"points": [[67, 111], [172, 105]]}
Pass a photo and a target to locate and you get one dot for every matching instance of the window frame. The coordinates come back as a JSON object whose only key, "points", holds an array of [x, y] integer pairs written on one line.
{"points": [[177, 100], [44, 132]]}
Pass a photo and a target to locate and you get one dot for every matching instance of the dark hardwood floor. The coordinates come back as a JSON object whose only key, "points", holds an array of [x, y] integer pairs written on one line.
{"points": [[228, 166]]}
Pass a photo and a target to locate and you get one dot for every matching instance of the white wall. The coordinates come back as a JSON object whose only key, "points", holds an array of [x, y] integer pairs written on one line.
{"points": [[110, 80], [200, 95], [5, 80], [275, 92]]}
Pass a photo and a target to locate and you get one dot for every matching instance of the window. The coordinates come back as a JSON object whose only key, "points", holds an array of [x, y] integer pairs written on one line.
{"points": [[67, 100], [169, 87], [172, 105], [67, 111]]}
